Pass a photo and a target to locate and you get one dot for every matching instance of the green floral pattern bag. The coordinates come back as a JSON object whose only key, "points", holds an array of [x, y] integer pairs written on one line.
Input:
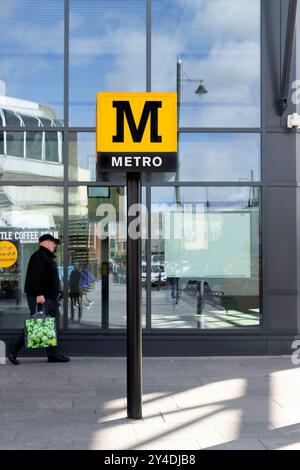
{"points": [[40, 331]]}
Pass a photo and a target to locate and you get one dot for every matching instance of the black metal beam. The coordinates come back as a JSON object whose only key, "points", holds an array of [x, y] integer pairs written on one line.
{"points": [[134, 324], [282, 103]]}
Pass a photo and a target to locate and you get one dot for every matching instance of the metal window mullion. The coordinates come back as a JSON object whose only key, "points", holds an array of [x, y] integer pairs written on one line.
{"points": [[32, 183], [97, 183], [28, 128], [66, 161], [220, 130], [148, 45], [148, 260], [217, 184], [264, 155]]}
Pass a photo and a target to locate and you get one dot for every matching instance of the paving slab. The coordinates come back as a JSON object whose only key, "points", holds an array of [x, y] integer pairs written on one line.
{"points": [[188, 404]]}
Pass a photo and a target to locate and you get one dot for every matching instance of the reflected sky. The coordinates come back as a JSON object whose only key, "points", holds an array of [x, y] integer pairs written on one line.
{"points": [[214, 197], [107, 52], [219, 157], [32, 44], [217, 41]]}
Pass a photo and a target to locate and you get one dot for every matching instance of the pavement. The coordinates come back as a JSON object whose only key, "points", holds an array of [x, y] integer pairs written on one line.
{"points": [[189, 403]]}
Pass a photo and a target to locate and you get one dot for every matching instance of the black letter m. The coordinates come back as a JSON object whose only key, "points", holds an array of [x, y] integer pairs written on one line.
{"points": [[137, 132]]}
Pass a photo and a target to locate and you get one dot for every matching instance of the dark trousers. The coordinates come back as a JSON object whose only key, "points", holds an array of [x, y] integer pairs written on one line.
{"points": [[50, 308], [75, 298]]}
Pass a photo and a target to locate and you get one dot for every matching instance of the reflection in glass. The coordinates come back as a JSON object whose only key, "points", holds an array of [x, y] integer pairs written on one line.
{"points": [[97, 263], [107, 52], [219, 157], [31, 61], [52, 147], [34, 145], [82, 156], [15, 144], [98, 258], [205, 257], [209, 52], [31, 155], [25, 214]]}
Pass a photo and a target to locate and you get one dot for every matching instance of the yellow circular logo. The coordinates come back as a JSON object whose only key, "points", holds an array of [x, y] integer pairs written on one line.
{"points": [[8, 254]]}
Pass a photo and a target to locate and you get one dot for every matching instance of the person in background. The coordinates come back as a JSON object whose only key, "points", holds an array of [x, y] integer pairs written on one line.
{"points": [[42, 287], [75, 292], [86, 279]]}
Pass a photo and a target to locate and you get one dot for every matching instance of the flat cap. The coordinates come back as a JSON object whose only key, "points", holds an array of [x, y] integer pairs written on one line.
{"points": [[48, 236]]}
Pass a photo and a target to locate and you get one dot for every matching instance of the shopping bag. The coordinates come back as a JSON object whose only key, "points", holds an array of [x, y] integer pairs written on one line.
{"points": [[40, 331]]}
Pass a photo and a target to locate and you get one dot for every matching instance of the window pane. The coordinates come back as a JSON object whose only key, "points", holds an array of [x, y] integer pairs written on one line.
{"points": [[205, 257], [98, 258], [97, 264], [82, 156], [15, 144], [42, 160], [31, 61], [23, 219], [218, 157], [107, 52], [52, 146], [34, 145], [218, 45]]}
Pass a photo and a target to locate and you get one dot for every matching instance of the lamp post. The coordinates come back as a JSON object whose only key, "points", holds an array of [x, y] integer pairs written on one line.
{"points": [[200, 91]]}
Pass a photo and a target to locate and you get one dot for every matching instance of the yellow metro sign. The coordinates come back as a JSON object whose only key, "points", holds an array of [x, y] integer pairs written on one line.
{"points": [[137, 131]]}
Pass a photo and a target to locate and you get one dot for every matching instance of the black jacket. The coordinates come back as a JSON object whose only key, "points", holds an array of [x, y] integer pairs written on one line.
{"points": [[42, 275]]}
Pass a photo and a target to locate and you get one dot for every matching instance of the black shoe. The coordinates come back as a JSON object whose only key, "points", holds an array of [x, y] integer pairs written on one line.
{"points": [[58, 359], [13, 359]]}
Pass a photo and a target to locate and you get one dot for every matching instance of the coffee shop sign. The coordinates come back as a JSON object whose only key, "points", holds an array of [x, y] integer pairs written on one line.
{"points": [[26, 236]]}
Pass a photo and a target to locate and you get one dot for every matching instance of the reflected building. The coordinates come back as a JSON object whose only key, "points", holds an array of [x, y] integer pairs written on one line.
{"points": [[39, 152]]}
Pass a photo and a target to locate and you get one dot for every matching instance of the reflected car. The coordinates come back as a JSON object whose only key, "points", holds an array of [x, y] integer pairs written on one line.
{"points": [[158, 275]]}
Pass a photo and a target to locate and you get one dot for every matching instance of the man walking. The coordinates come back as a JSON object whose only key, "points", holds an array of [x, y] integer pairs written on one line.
{"points": [[42, 286]]}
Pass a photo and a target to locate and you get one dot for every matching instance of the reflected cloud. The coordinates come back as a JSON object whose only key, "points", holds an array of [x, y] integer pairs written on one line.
{"points": [[219, 42]]}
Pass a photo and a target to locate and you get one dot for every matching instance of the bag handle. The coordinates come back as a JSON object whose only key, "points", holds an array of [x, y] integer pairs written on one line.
{"points": [[41, 310]]}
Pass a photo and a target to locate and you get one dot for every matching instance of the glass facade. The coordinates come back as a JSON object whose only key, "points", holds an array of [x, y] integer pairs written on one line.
{"points": [[26, 212], [51, 67], [97, 257], [205, 257]]}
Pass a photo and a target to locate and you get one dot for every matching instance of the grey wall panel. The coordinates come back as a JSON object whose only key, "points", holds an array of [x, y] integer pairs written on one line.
{"points": [[280, 164], [280, 243], [282, 313]]}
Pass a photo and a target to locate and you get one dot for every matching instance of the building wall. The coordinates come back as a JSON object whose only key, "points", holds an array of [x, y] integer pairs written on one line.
{"points": [[236, 157]]}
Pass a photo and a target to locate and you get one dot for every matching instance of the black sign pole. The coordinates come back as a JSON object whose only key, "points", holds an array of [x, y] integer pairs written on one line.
{"points": [[134, 324]]}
